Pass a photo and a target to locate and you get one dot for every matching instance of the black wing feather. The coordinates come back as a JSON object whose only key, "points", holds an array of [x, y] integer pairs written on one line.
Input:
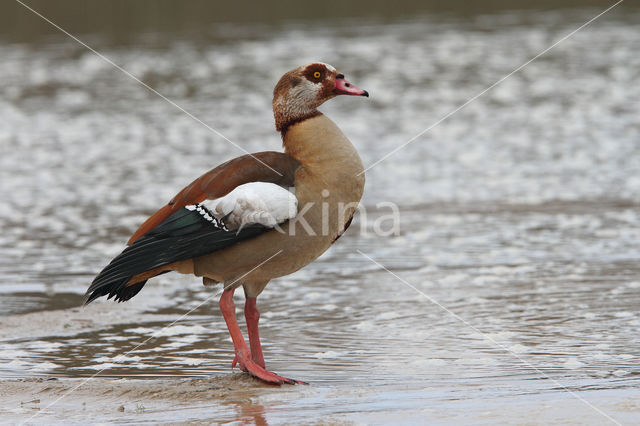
{"points": [[187, 233]]}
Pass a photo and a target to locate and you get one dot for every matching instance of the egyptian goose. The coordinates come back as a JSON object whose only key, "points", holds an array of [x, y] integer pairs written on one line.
{"points": [[256, 217]]}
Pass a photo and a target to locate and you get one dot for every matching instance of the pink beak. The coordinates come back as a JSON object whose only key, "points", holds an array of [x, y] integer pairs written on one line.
{"points": [[343, 87]]}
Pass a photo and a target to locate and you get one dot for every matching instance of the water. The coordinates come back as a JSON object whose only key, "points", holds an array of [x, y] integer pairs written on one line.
{"points": [[520, 221]]}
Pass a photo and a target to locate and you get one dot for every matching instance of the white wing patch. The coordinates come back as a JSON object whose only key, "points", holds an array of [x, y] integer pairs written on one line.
{"points": [[261, 203], [205, 213]]}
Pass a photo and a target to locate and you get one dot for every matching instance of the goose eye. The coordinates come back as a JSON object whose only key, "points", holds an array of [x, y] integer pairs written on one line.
{"points": [[316, 74]]}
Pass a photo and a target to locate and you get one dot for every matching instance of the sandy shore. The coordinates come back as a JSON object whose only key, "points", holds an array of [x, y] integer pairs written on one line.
{"points": [[44, 400], [238, 399]]}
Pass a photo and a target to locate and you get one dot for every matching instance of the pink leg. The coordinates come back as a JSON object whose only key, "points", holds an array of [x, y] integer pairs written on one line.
{"points": [[243, 355], [252, 315]]}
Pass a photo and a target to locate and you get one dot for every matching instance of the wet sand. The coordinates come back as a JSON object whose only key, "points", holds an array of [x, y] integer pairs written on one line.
{"points": [[239, 398], [44, 400]]}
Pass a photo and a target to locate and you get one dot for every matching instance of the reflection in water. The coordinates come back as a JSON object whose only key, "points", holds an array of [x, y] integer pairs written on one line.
{"points": [[252, 414], [519, 214]]}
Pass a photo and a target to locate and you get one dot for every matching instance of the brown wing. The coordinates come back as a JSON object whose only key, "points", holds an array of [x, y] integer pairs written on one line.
{"points": [[268, 166]]}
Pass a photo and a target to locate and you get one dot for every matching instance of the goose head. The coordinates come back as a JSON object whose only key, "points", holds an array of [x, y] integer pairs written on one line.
{"points": [[301, 91]]}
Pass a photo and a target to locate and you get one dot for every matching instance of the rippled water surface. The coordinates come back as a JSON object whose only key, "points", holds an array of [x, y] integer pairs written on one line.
{"points": [[513, 288]]}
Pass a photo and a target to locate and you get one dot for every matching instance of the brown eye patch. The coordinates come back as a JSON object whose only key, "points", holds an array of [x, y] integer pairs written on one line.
{"points": [[315, 73]]}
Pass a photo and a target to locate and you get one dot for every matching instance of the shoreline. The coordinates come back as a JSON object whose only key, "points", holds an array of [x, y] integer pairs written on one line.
{"points": [[50, 399]]}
